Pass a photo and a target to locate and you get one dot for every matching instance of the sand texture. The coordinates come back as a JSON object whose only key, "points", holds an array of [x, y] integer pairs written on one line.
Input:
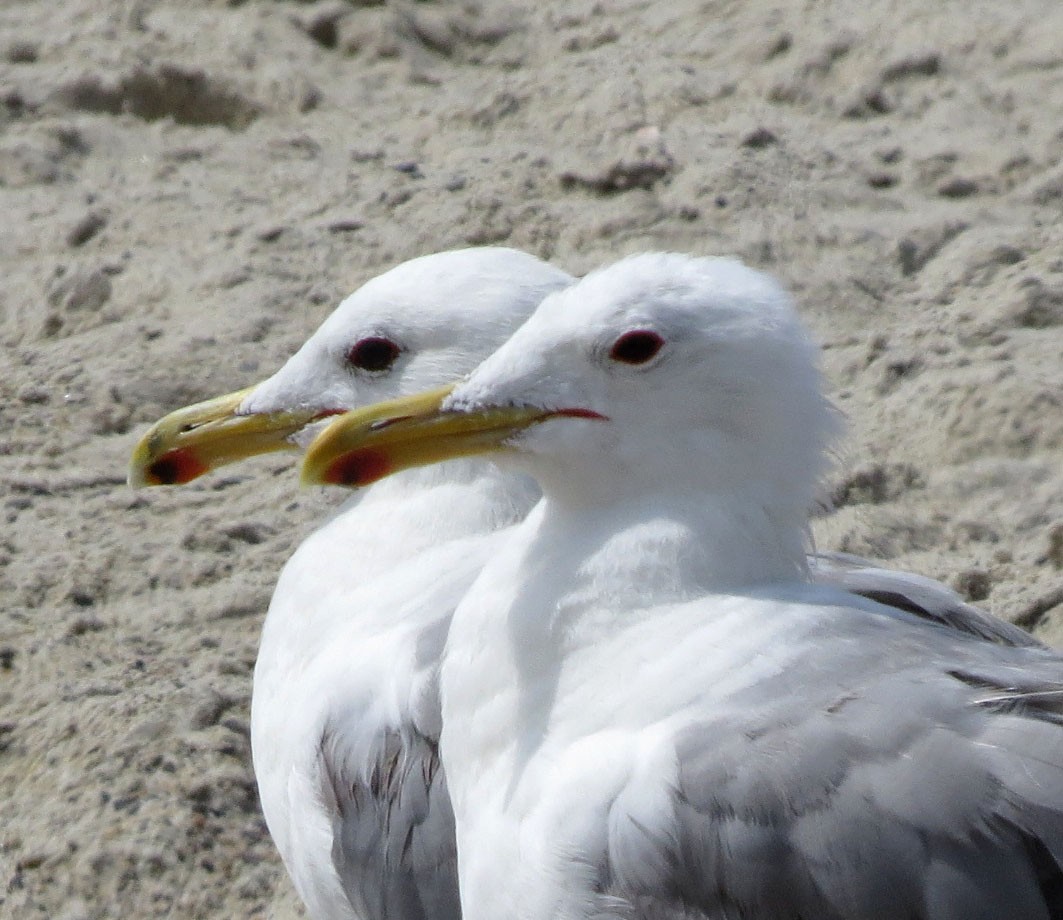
{"points": [[188, 187]]}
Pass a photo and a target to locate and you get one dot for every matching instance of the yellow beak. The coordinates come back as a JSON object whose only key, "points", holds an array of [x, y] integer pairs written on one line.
{"points": [[365, 445], [197, 439]]}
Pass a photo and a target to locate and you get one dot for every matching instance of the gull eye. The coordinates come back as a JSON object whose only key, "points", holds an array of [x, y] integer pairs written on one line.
{"points": [[374, 353], [636, 347]]}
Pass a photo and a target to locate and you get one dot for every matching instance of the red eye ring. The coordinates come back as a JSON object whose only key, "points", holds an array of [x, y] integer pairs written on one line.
{"points": [[636, 347], [373, 353]]}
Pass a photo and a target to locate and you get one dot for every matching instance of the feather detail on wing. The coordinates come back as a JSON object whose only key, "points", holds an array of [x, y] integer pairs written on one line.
{"points": [[393, 828]]}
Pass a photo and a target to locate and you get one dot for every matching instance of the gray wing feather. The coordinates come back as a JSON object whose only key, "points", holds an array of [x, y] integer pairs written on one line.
{"points": [[920, 779], [931, 600], [393, 832], [393, 835]]}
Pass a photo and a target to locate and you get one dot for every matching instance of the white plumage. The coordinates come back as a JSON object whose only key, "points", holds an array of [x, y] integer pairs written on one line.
{"points": [[345, 711], [648, 709]]}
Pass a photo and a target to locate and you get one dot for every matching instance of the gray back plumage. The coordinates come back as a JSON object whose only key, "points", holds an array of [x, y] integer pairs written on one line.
{"points": [[925, 598], [919, 776]]}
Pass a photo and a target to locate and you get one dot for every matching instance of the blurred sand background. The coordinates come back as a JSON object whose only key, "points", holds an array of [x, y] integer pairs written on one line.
{"points": [[188, 187]]}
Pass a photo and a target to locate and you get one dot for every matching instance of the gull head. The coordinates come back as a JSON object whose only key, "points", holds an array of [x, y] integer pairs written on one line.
{"points": [[661, 370], [422, 324]]}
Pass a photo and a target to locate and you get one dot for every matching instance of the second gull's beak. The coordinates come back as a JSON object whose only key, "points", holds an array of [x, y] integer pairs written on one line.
{"points": [[192, 441]]}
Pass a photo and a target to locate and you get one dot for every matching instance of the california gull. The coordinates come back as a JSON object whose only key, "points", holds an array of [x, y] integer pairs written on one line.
{"points": [[648, 709], [345, 710]]}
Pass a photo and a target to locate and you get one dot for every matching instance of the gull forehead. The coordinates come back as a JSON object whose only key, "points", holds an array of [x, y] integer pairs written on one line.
{"points": [[445, 295], [674, 288]]}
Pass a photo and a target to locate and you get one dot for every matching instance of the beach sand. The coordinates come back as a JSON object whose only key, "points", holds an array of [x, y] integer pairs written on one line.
{"points": [[188, 188]]}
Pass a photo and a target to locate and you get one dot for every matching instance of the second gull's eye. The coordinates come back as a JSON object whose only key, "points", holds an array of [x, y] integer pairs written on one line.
{"points": [[636, 347], [374, 353]]}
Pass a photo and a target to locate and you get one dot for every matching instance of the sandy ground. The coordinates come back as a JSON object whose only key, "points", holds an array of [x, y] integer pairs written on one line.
{"points": [[187, 188]]}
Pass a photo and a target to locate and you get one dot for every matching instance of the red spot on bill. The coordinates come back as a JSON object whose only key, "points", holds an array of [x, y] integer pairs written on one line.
{"points": [[176, 467], [358, 468]]}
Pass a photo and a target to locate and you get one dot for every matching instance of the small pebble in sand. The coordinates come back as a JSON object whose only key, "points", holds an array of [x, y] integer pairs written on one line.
{"points": [[973, 584]]}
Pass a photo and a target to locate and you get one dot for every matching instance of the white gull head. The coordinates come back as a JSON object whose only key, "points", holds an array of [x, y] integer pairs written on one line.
{"points": [[703, 373], [418, 326]]}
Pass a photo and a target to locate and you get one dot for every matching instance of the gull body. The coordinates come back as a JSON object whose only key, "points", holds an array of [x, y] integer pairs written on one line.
{"points": [[345, 716], [345, 713], [649, 711]]}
